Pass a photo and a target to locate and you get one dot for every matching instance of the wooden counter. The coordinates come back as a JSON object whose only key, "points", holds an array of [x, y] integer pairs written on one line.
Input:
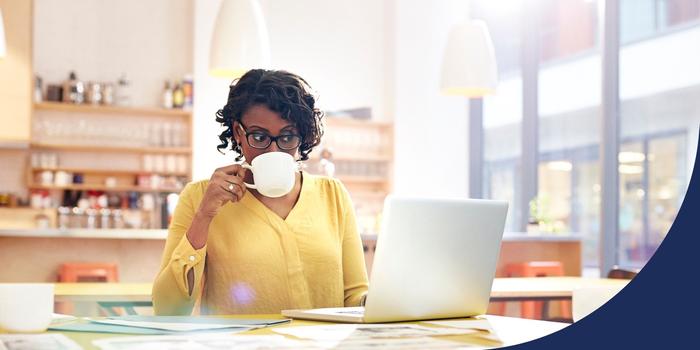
{"points": [[523, 247], [35, 255], [520, 247]]}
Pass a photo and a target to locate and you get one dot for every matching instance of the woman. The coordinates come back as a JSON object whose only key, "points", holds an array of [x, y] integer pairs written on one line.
{"points": [[244, 253]]}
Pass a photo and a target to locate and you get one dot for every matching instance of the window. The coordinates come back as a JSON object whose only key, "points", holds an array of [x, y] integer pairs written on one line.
{"points": [[653, 180], [679, 11], [643, 19], [502, 116], [568, 125], [567, 27], [659, 121], [659, 86]]}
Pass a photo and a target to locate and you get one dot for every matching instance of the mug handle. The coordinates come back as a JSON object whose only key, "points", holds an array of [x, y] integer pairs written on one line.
{"points": [[249, 167]]}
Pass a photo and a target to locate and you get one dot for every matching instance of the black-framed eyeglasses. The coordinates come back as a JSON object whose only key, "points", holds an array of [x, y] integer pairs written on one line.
{"points": [[263, 140]]}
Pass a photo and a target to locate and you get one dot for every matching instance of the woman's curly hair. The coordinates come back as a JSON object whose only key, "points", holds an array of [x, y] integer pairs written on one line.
{"points": [[282, 92]]}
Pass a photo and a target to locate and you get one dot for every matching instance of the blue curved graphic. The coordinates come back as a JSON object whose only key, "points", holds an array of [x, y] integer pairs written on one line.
{"points": [[658, 309]]}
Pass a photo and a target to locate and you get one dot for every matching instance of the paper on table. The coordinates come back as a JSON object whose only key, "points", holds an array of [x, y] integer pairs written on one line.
{"points": [[174, 327], [476, 323], [201, 319], [508, 330], [60, 318], [209, 341], [90, 327], [37, 341], [419, 343], [368, 331]]}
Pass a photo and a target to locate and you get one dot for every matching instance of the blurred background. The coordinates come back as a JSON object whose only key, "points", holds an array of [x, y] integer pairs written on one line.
{"points": [[588, 126]]}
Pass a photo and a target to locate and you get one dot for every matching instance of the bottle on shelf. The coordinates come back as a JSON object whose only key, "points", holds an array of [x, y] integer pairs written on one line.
{"points": [[108, 94], [167, 98], [38, 94], [123, 95], [73, 90], [188, 88], [178, 96]]}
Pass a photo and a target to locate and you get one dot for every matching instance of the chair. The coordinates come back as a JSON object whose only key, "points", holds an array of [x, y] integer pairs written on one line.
{"points": [[88, 272], [619, 273], [538, 309], [91, 272]]}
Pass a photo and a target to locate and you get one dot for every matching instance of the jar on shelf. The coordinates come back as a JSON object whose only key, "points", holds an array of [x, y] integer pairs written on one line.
{"points": [[77, 218], [64, 215], [91, 218], [117, 219], [42, 221], [105, 218], [93, 93]]}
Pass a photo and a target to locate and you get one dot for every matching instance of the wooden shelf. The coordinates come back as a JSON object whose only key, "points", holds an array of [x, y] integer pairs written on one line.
{"points": [[98, 109], [95, 187], [82, 148], [113, 172]]}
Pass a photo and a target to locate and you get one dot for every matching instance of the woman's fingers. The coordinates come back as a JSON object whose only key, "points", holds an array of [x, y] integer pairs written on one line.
{"points": [[228, 194], [226, 185], [233, 169], [234, 185]]}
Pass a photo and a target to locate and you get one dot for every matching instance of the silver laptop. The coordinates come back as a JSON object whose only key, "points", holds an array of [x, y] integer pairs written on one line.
{"points": [[435, 258]]}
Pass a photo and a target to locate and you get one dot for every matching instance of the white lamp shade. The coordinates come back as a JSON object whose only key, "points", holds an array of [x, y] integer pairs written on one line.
{"points": [[469, 63], [3, 48], [240, 41]]}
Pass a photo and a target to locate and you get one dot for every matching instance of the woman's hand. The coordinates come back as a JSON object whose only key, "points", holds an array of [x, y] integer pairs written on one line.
{"points": [[225, 185]]}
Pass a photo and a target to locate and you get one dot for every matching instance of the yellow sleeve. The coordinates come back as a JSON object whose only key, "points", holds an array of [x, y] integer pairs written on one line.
{"points": [[354, 270], [170, 288]]}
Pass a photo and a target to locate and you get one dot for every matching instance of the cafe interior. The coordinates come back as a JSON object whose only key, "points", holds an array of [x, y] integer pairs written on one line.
{"points": [[582, 114]]}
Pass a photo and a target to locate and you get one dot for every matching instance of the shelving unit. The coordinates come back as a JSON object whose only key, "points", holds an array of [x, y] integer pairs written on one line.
{"points": [[96, 187], [101, 109], [113, 171], [47, 111], [115, 149], [157, 162], [362, 153]]}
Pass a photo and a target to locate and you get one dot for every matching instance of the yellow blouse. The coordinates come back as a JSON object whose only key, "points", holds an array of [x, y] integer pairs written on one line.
{"points": [[255, 262]]}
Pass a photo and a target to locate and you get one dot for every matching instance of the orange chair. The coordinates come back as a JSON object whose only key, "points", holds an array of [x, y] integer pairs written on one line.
{"points": [[84, 272], [88, 272], [534, 309], [619, 273]]}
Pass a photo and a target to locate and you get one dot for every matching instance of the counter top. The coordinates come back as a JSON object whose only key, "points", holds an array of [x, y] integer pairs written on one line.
{"points": [[522, 237], [86, 233], [162, 234], [552, 237]]}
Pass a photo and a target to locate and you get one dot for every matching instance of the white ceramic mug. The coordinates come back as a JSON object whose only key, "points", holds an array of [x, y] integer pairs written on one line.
{"points": [[273, 173], [25, 307]]}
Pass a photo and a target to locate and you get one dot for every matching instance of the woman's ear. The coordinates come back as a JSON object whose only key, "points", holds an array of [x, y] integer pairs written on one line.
{"points": [[235, 130]]}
